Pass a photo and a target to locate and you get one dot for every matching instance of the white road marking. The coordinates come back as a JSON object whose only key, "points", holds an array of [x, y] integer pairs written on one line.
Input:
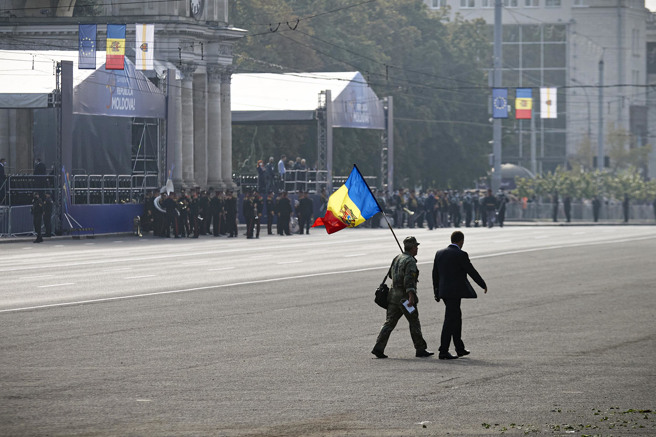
{"points": [[264, 281], [139, 277], [353, 255], [56, 285], [219, 269], [289, 262]]}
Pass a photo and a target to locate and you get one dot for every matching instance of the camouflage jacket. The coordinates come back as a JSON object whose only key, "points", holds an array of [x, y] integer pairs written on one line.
{"points": [[404, 274]]}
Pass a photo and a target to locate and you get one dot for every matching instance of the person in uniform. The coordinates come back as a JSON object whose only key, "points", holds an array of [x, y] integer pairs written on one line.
{"points": [[37, 216], [502, 200], [567, 206], [304, 211], [47, 214], [404, 274], [230, 204], [554, 201], [490, 207], [257, 209], [247, 209], [450, 269], [271, 212], [596, 207], [194, 214], [283, 212]]}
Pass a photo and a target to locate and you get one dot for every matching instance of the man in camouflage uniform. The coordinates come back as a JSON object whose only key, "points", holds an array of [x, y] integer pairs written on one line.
{"points": [[403, 273]]}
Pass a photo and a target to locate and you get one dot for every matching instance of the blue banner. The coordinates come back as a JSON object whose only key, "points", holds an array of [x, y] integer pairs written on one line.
{"points": [[87, 47], [500, 103]]}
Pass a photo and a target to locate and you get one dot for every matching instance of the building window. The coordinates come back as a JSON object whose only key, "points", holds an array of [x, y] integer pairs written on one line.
{"points": [[436, 4], [487, 3], [532, 3], [552, 3], [510, 3], [465, 4]]}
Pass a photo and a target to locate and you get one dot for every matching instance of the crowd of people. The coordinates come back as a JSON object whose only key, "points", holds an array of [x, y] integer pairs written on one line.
{"points": [[442, 209], [216, 213]]}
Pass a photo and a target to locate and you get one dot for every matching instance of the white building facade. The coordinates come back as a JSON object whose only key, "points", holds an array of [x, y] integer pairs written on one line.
{"points": [[560, 43]]}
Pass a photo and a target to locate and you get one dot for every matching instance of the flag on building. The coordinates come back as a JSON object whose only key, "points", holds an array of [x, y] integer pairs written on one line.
{"points": [[500, 103], [87, 47], [145, 39], [548, 107], [351, 205], [115, 47], [523, 103]]}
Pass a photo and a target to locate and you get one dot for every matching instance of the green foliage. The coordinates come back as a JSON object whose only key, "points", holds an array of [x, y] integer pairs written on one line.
{"points": [[433, 69], [586, 185]]}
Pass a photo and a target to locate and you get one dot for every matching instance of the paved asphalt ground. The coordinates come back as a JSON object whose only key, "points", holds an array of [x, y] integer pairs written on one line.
{"points": [[272, 337]]}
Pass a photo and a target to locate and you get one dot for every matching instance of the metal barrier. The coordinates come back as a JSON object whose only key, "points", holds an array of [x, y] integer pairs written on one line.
{"points": [[19, 189], [111, 189], [297, 180]]}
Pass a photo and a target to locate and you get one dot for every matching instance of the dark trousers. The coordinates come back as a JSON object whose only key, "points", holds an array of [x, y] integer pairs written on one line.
{"points": [[269, 224], [47, 222], [452, 327], [38, 221], [394, 313]]}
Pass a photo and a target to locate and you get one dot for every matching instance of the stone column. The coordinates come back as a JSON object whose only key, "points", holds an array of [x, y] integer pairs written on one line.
{"points": [[188, 124], [214, 119], [174, 130], [200, 129], [226, 128]]}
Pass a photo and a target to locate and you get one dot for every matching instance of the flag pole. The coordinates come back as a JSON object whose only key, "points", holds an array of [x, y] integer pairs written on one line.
{"points": [[381, 209]]}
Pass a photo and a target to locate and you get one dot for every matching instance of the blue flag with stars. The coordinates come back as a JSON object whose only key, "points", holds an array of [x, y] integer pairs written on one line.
{"points": [[500, 103], [87, 47]]}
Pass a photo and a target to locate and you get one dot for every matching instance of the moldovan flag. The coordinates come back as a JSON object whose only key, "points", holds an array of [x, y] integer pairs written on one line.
{"points": [[548, 107], [523, 103], [115, 47], [86, 47], [145, 38], [351, 205]]}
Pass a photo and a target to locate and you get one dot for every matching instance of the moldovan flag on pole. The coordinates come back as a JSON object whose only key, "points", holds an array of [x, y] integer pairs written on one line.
{"points": [[145, 38], [351, 205], [548, 107], [523, 103], [115, 47]]}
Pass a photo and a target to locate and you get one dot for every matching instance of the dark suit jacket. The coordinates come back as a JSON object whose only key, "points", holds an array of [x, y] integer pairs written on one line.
{"points": [[450, 270]]}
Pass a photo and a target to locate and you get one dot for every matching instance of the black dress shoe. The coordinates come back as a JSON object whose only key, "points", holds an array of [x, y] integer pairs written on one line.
{"points": [[446, 356], [463, 352], [424, 353], [378, 354]]}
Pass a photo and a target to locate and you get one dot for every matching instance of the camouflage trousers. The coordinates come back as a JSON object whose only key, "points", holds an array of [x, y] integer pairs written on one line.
{"points": [[394, 313]]}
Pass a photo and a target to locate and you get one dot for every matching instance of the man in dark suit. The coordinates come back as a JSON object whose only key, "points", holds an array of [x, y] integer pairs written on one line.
{"points": [[450, 270]]}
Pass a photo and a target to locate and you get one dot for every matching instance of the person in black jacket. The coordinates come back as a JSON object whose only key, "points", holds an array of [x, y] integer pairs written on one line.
{"points": [[47, 215], [284, 212], [450, 270], [37, 216]]}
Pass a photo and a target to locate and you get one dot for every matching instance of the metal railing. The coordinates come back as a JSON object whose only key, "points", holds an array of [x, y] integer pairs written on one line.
{"points": [[295, 181], [111, 189]]}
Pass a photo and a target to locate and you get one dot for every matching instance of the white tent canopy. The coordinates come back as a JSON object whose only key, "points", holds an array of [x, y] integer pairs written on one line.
{"points": [[28, 77], [294, 97]]}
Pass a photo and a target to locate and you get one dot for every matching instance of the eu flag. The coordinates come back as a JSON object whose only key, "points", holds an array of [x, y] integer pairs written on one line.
{"points": [[87, 47], [500, 103]]}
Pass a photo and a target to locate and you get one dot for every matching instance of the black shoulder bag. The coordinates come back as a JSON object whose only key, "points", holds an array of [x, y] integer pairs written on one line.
{"points": [[381, 293]]}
